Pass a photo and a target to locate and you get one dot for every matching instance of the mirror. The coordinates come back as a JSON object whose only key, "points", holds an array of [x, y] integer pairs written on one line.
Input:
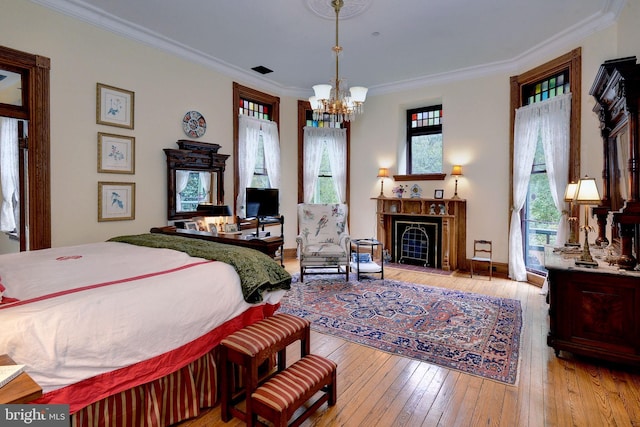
{"points": [[195, 187], [10, 88], [195, 175]]}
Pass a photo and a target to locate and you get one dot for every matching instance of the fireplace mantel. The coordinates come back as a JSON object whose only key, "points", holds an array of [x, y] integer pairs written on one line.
{"points": [[453, 212]]}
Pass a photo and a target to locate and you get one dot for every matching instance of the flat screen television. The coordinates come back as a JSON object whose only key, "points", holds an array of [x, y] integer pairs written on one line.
{"points": [[262, 202]]}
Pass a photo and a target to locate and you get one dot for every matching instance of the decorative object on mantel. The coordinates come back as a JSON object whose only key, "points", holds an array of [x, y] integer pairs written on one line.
{"points": [[586, 194], [416, 191], [456, 172], [399, 190], [569, 194], [438, 194], [331, 99], [193, 124], [382, 174]]}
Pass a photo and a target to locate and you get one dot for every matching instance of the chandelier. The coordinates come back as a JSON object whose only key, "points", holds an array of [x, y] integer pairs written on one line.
{"points": [[333, 102]]}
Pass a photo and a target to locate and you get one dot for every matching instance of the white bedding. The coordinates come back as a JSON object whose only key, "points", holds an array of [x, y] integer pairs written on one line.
{"points": [[75, 336]]}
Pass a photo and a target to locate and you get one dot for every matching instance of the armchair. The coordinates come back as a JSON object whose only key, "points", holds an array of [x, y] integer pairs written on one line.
{"points": [[323, 243]]}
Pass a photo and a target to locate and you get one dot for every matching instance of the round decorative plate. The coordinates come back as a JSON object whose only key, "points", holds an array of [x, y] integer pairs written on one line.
{"points": [[194, 124]]}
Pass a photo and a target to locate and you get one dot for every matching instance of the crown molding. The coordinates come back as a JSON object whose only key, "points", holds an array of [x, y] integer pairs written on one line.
{"points": [[567, 39]]}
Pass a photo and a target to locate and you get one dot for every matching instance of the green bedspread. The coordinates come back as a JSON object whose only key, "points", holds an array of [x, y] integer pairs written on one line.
{"points": [[258, 272]]}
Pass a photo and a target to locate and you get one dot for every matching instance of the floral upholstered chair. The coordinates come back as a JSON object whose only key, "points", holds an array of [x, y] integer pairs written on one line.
{"points": [[323, 242]]}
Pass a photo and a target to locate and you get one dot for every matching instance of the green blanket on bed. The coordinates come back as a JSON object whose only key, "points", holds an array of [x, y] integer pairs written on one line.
{"points": [[258, 272]]}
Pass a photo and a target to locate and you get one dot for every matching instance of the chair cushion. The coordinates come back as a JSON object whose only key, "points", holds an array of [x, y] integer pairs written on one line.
{"points": [[322, 223], [284, 389], [324, 250], [259, 336]]}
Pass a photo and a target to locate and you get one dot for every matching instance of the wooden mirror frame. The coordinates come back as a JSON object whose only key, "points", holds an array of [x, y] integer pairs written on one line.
{"points": [[193, 156]]}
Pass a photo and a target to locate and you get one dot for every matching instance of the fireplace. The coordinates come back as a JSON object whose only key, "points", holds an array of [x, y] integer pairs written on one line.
{"points": [[438, 235], [416, 241]]}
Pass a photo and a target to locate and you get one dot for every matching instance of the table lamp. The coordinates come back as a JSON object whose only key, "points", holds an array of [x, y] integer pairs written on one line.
{"points": [[382, 174], [586, 194], [569, 195], [457, 172]]}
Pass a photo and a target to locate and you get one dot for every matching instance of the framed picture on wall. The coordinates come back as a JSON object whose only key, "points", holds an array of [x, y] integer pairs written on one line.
{"points": [[116, 201], [114, 106], [438, 194], [116, 153]]}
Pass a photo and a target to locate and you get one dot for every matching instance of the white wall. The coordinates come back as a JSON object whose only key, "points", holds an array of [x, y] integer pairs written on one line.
{"points": [[476, 126]]}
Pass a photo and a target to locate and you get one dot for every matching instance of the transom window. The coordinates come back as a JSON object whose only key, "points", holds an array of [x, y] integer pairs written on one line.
{"points": [[424, 140], [254, 109], [548, 88]]}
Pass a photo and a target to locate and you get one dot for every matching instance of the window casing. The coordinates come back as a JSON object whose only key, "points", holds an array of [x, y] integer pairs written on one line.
{"points": [[424, 141], [256, 104], [525, 90]]}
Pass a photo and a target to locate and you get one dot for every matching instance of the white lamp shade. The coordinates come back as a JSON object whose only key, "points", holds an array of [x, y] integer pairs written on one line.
{"points": [[570, 192], [315, 105], [322, 91], [587, 192], [358, 94]]}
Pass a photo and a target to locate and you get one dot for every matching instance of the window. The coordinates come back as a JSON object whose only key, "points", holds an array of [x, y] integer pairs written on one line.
{"points": [[263, 112], [539, 216], [424, 140], [325, 191], [323, 153]]}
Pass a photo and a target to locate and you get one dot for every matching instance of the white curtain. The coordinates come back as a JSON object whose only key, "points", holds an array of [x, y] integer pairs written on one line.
{"points": [[205, 183], [9, 175], [182, 178], [250, 130], [548, 120], [271, 143], [555, 132], [315, 139]]}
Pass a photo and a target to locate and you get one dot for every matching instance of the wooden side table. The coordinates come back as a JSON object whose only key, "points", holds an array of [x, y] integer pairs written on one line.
{"points": [[22, 389]]}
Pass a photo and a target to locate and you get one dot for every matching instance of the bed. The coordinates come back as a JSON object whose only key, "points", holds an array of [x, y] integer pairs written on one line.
{"points": [[126, 331]]}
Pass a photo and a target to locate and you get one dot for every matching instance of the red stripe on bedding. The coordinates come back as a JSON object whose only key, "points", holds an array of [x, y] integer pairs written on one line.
{"points": [[93, 389], [100, 285]]}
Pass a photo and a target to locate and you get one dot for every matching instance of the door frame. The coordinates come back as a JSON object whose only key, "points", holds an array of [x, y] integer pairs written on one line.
{"points": [[35, 70]]}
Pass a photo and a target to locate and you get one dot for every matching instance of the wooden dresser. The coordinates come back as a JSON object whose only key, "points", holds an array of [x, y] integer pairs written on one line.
{"points": [[593, 312]]}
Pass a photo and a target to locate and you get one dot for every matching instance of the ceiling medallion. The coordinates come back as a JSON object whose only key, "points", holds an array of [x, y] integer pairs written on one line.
{"points": [[351, 8]]}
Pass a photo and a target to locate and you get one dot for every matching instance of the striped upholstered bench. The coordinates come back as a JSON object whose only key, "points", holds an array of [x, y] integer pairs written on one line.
{"points": [[279, 397], [249, 348]]}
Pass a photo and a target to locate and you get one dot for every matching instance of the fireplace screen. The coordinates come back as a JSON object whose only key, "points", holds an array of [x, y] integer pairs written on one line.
{"points": [[416, 243]]}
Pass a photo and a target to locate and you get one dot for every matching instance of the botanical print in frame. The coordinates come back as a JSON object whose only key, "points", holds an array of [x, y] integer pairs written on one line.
{"points": [[116, 153], [115, 106], [116, 201]]}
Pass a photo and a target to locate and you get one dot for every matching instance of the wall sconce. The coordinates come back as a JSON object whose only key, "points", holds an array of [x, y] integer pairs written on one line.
{"points": [[569, 195], [456, 172], [586, 194], [382, 174]]}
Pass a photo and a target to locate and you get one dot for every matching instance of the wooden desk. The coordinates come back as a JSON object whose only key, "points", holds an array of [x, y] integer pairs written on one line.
{"points": [[267, 245], [594, 312], [21, 389]]}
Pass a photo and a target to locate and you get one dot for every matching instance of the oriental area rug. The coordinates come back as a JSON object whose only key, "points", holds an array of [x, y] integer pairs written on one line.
{"points": [[471, 333]]}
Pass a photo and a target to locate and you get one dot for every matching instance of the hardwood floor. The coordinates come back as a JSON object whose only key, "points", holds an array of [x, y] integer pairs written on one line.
{"points": [[380, 389]]}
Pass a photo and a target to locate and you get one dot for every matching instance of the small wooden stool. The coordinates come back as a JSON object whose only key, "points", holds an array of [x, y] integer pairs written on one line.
{"points": [[249, 348], [279, 397]]}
